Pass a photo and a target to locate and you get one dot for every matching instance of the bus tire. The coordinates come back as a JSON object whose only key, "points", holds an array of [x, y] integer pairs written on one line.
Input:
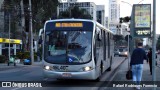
{"points": [[110, 67]]}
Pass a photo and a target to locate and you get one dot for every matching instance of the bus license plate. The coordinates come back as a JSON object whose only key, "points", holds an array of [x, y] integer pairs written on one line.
{"points": [[66, 74]]}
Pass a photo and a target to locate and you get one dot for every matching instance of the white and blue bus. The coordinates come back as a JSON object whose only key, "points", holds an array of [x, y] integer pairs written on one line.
{"points": [[76, 49]]}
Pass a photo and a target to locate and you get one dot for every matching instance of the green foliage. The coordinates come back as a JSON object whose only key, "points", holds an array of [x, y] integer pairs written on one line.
{"points": [[3, 59], [118, 38], [75, 12], [43, 10], [25, 55], [19, 55], [124, 19], [11, 7]]}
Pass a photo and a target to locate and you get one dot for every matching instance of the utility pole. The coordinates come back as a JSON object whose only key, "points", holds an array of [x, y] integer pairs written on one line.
{"points": [[9, 48], [154, 43], [31, 33], [23, 26]]}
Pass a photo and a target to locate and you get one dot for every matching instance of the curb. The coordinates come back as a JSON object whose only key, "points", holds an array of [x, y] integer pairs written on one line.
{"points": [[113, 75]]}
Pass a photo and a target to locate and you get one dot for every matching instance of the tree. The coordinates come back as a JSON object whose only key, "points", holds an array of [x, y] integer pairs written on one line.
{"points": [[11, 9], [119, 40], [75, 12], [124, 19], [42, 10]]}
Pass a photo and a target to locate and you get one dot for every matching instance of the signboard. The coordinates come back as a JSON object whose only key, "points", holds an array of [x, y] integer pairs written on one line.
{"points": [[142, 16], [142, 20], [13, 41], [69, 25], [143, 32]]}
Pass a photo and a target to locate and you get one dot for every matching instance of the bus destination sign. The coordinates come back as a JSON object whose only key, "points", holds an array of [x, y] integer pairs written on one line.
{"points": [[65, 24]]}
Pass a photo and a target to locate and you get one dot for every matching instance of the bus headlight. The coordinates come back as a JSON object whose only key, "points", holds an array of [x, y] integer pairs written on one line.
{"points": [[125, 53], [47, 67], [87, 68]]}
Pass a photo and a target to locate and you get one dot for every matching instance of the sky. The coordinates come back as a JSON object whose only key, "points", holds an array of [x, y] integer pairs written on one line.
{"points": [[125, 9]]}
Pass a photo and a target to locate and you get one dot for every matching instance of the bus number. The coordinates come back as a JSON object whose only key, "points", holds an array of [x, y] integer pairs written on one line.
{"points": [[64, 68]]}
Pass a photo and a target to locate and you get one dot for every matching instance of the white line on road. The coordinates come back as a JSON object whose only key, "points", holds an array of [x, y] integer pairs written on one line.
{"points": [[17, 88]]}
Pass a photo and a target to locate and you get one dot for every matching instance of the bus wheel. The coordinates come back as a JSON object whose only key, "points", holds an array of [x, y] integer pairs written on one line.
{"points": [[109, 69]]}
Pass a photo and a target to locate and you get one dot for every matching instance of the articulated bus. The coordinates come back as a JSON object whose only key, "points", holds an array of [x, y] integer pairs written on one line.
{"points": [[76, 49]]}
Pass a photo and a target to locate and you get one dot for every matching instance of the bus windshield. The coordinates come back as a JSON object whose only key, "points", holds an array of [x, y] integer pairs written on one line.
{"points": [[67, 47]]}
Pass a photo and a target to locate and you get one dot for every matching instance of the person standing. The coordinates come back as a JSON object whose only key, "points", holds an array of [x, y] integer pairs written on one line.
{"points": [[137, 58]]}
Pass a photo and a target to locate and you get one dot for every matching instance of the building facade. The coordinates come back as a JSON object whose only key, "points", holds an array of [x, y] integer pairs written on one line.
{"points": [[101, 14], [89, 6], [114, 15], [106, 22]]}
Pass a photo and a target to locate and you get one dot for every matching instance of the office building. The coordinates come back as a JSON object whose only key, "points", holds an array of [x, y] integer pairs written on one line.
{"points": [[89, 6], [114, 15], [101, 14]]}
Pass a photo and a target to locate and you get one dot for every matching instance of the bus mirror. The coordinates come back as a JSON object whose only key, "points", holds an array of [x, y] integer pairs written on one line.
{"points": [[40, 41], [99, 37]]}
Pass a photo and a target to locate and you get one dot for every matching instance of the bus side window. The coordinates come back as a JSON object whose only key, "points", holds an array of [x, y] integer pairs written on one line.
{"points": [[108, 45], [99, 36]]}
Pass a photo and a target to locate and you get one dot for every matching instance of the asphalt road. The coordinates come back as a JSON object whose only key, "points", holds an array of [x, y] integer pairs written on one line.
{"points": [[34, 73]]}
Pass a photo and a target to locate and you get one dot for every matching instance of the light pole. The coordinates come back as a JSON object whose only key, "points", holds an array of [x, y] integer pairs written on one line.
{"points": [[131, 33], [128, 44], [131, 4], [31, 33], [154, 42], [127, 3], [9, 48]]}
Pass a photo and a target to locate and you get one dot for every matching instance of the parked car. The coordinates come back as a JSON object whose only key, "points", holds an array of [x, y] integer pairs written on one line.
{"points": [[27, 62]]}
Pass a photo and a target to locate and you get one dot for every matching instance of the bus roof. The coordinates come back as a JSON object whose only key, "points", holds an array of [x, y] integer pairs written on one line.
{"points": [[88, 20]]}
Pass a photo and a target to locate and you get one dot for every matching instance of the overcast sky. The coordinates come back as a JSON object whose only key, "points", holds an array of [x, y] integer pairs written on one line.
{"points": [[125, 9]]}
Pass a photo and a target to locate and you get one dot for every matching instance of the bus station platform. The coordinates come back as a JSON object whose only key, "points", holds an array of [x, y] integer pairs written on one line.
{"points": [[120, 78]]}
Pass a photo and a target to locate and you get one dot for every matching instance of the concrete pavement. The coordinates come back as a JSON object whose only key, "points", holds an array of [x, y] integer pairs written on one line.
{"points": [[120, 78]]}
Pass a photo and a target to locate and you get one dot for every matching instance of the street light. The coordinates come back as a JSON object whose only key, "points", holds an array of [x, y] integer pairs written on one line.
{"points": [[31, 33], [127, 3], [131, 4]]}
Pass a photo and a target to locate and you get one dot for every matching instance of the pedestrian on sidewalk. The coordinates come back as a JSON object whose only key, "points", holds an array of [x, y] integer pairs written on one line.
{"points": [[137, 58], [150, 59]]}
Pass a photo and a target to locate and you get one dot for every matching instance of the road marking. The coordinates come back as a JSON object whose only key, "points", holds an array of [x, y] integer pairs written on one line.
{"points": [[113, 75], [17, 88]]}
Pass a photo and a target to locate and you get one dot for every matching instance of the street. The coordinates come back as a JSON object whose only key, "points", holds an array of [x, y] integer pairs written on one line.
{"points": [[34, 73]]}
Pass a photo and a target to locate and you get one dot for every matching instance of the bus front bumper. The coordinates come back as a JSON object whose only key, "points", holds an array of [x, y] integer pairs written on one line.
{"points": [[86, 75]]}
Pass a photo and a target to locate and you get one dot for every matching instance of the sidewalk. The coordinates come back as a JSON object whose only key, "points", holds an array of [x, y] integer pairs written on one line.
{"points": [[120, 78], [4, 66]]}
